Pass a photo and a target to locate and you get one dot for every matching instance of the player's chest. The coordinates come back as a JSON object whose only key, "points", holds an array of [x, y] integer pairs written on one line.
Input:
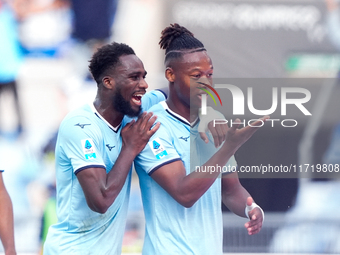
{"points": [[110, 147], [181, 142]]}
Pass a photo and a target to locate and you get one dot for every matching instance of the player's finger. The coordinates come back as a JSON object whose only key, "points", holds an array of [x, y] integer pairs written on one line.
{"points": [[145, 120], [204, 137], [235, 125], [249, 201], [140, 118], [254, 230], [252, 223], [225, 128], [128, 125], [219, 137], [250, 130], [249, 224], [154, 129], [214, 134], [260, 122], [221, 134], [150, 123]]}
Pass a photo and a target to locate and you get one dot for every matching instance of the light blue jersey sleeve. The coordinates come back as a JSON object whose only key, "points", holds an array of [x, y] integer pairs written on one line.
{"points": [[79, 144], [158, 152], [151, 98]]}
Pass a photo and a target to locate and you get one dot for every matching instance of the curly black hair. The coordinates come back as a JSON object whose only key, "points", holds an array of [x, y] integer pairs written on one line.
{"points": [[107, 58], [177, 40]]}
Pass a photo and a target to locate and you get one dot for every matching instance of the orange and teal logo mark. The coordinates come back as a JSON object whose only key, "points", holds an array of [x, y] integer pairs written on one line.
{"points": [[209, 93]]}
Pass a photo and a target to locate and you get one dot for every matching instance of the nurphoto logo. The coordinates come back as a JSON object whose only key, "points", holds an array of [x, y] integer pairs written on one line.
{"points": [[298, 97]]}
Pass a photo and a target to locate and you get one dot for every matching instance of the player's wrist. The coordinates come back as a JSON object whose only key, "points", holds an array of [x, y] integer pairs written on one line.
{"points": [[252, 207], [129, 151], [229, 148], [10, 251]]}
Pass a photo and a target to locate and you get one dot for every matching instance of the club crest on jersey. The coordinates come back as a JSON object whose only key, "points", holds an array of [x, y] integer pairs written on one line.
{"points": [[88, 148], [157, 148]]}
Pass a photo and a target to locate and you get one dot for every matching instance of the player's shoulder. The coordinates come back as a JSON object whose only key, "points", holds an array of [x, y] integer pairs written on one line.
{"points": [[82, 116], [157, 107], [161, 95], [151, 98], [159, 110]]}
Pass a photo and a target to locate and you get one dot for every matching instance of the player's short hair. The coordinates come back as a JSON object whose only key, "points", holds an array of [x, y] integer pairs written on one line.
{"points": [[176, 40], [106, 58]]}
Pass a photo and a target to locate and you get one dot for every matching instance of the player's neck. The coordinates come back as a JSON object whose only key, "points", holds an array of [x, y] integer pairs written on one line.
{"points": [[183, 110], [110, 114]]}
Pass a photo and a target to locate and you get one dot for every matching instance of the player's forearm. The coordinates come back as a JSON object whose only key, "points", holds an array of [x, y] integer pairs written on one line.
{"points": [[10, 250], [116, 177], [6, 224], [110, 187], [194, 185], [192, 188], [235, 200]]}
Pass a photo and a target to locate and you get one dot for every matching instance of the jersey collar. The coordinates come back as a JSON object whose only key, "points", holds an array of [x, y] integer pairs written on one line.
{"points": [[115, 129], [177, 116]]}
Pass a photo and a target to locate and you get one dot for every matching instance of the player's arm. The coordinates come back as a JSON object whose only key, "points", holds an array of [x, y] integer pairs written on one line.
{"points": [[6, 220], [187, 189], [236, 198], [101, 189]]}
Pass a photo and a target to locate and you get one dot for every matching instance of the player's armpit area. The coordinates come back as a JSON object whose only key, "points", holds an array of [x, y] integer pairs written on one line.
{"points": [[93, 183]]}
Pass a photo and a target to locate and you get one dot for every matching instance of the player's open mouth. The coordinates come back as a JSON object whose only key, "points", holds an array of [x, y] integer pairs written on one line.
{"points": [[137, 98]]}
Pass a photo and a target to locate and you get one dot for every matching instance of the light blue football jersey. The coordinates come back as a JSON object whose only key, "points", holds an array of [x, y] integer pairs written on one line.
{"points": [[170, 227], [87, 140]]}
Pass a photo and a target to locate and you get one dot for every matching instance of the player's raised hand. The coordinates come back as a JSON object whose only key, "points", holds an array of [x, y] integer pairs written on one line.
{"points": [[235, 137], [136, 134], [206, 124], [256, 216]]}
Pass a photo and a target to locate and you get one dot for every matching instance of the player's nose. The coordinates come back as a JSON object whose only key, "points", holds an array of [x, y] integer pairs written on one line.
{"points": [[143, 84], [204, 81]]}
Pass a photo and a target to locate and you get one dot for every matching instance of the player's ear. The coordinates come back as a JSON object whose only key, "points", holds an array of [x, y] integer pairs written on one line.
{"points": [[108, 82], [169, 74]]}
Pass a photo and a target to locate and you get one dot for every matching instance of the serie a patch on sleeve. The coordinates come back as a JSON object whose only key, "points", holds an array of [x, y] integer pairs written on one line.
{"points": [[157, 148], [88, 148]]}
